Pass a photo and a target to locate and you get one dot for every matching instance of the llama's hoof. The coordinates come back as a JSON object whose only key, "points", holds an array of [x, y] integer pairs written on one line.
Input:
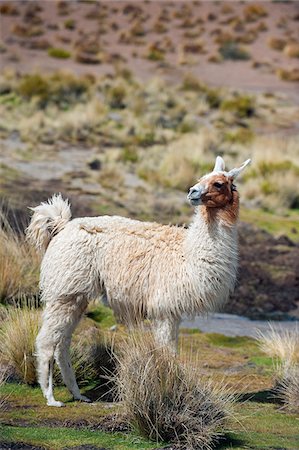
{"points": [[82, 398], [55, 403]]}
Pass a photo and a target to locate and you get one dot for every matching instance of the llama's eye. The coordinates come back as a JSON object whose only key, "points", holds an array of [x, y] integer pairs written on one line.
{"points": [[218, 185]]}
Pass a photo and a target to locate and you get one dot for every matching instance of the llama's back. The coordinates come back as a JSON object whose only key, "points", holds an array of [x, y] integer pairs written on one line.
{"points": [[123, 257]]}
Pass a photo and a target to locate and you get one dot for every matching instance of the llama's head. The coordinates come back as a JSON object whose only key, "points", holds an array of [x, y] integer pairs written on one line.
{"points": [[216, 189]]}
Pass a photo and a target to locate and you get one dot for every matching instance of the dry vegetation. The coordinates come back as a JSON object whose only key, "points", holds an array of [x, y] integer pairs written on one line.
{"points": [[19, 264], [283, 347], [165, 400], [142, 128]]}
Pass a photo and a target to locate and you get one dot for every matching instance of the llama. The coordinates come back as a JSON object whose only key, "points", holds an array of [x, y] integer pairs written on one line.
{"points": [[146, 270]]}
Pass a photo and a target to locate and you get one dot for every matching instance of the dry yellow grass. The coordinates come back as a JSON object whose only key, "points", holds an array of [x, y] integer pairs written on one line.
{"points": [[283, 347], [17, 342], [166, 400], [19, 264], [283, 344]]}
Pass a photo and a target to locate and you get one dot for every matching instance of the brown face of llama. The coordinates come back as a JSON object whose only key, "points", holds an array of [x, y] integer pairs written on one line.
{"points": [[217, 189]]}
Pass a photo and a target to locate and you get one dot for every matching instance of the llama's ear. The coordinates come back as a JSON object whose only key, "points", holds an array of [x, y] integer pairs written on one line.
{"points": [[219, 164], [234, 173]]}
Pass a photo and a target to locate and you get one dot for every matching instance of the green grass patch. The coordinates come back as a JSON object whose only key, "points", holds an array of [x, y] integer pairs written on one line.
{"points": [[58, 438], [220, 340], [264, 361], [102, 315], [59, 53], [274, 224]]}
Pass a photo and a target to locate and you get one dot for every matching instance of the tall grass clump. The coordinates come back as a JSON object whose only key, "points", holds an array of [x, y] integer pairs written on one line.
{"points": [[17, 342], [91, 355], [165, 400], [283, 347], [19, 264]]}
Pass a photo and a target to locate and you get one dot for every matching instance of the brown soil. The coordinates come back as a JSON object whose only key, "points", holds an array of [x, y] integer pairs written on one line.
{"points": [[268, 282], [125, 33]]}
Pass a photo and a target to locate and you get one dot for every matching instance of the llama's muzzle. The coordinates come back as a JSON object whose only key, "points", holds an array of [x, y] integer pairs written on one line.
{"points": [[195, 194]]}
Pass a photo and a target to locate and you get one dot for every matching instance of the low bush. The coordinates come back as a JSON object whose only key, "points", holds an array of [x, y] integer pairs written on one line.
{"points": [[254, 11], [241, 105], [233, 51], [291, 50], [288, 74], [276, 43], [166, 400], [8, 9], [59, 88], [239, 136], [59, 53]]}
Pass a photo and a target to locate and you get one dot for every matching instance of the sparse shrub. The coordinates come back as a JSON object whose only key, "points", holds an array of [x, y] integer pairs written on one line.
{"points": [[291, 50], [288, 74], [240, 105], [8, 9], [194, 47], [129, 154], [59, 87], [154, 52], [276, 43], [215, 58], [137, 29], [27, 31], [192, 83], [239, 136], [166, 400], [70, 24], [232, 50], [110, 177], [34, 85], [59, 53], [254, 12], [159, 27], [116, 96]]}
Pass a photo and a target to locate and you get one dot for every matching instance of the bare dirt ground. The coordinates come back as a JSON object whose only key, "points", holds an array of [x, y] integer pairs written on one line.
{"points": [[164, 38]]}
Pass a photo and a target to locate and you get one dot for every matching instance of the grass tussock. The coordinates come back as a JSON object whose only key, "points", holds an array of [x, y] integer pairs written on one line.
{"points": [[17, 342], [19, 264], [283, 347], [166, 400], [282, 344]]}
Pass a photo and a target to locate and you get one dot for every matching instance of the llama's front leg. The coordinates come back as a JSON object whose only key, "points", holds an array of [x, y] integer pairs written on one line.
{"points": [[166, 333], [62, 356]]}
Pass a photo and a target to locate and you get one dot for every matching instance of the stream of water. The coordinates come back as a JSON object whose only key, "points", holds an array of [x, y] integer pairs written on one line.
{"points": [[233, 325]]}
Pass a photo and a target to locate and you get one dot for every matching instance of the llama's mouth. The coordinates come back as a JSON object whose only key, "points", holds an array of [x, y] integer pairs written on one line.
{"points": [[195, 201]]}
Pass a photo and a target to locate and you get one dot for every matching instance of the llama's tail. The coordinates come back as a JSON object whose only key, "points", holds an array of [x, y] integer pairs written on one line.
{"points": [[48, 219]]}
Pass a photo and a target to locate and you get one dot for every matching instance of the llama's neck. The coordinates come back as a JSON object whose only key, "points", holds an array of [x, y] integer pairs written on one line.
{"points": [[213, 224], [211, 250]]}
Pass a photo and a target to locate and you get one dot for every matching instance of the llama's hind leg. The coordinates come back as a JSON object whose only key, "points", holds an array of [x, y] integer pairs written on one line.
{"points": [[62, 356], [45, 359], [62, 351]]}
